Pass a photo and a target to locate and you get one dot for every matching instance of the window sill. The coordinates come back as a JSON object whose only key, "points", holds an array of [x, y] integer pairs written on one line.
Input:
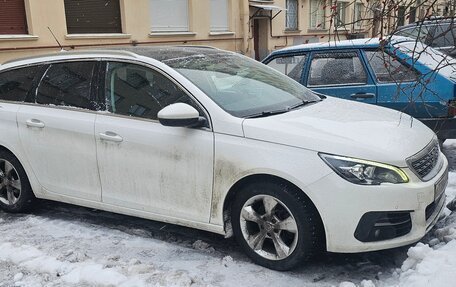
{"points": [[316, 30], [171, 34], [97, 36], [288, 31], [20, 37], [221, 33]]}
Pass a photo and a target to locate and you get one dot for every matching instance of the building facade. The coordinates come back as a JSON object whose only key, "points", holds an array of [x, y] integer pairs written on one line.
{"points": [[250, 27]]}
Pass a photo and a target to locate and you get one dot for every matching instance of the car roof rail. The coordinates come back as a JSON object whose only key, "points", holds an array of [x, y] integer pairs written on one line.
{"points": [[101, 52], [198, 46]]}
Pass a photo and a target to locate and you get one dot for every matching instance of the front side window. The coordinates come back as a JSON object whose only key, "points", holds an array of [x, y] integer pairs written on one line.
{"points": [[291, 66], [169, 15], [15, 84], [317, 14], [388, 69], [219, 15], [336, 68], [67, 84], [341, 13], [292, 15], [137, 91], [12, 17], [241, 86], [93, 16]]}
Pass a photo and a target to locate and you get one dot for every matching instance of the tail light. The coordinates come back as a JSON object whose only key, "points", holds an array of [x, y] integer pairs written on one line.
{"points": [[452, 108]]}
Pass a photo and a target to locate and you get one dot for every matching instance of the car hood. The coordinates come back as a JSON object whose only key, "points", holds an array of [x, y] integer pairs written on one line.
{"points": [[345, 128]]}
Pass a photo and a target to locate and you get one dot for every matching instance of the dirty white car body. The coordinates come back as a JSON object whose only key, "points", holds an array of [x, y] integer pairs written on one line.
{"points": [[190, 176]]}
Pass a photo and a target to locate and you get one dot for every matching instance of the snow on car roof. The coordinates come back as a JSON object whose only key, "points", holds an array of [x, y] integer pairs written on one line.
{"points": [[160, 53], [357, 43]]}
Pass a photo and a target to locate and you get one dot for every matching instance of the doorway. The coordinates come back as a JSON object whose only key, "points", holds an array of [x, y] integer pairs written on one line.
{"points": [[260, 37]]}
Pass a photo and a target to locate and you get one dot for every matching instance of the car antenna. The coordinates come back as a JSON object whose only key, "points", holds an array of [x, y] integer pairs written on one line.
{"points": [[55, 38]]}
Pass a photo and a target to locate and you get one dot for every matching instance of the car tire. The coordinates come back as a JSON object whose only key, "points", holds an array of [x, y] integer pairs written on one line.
{"points": [[276, 225], [16, 195]]}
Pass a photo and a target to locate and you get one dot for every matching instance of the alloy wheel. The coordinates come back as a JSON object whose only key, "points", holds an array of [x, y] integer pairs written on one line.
{"points": [[268, 227], [10, 183]]}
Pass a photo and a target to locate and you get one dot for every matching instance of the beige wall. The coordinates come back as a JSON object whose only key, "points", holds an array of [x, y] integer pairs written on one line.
{"points": [[136, 29], [280, 38], [135, 24]]}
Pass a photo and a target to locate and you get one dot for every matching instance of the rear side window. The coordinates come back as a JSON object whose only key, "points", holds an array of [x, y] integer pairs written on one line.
{"points": [[67, 84], [336, 68], [388, 69], [15, 84], [289, 65]]}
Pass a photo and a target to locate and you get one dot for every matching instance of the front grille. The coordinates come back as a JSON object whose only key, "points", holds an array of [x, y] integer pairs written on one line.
{"points": [[423, 162], [376, 226]]}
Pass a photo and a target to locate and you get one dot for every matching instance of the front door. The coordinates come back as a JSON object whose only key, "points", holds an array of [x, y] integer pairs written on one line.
{"points": [[144, 165], [341, 74]]}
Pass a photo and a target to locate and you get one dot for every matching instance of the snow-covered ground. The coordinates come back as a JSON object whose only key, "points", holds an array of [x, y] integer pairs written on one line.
{"points": [[64, 245]]}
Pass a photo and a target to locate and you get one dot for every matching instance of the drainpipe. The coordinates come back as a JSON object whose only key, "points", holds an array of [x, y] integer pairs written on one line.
{"points": [[245, 14]]}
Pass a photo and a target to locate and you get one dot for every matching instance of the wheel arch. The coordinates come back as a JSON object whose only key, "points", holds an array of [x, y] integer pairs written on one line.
{"points": [[261, 177], [29, 173]]}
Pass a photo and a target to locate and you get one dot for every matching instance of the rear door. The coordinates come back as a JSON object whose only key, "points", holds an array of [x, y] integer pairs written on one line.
{"points": [[342, 74], [402, 87], [56, 130]]}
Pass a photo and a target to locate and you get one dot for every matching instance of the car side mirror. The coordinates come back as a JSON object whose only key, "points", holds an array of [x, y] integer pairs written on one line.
{"points": [[180, 115]]}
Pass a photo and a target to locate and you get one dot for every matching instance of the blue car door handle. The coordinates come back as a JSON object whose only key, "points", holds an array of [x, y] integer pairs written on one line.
{"points": [[362, 96]]}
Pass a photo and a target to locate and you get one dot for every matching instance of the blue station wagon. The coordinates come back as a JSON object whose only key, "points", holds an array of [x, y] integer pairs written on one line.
{"points": [[400, 74]]}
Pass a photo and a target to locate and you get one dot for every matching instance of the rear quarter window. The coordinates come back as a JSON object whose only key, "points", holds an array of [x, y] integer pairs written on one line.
{"points": [[289, 65], [15, 84]]}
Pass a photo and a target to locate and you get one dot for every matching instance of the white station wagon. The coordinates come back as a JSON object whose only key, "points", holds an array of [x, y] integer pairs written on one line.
{"points": [[214, 140]]}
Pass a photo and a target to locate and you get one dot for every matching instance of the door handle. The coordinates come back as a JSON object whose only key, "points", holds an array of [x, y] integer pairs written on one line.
{"points": [[362, 96], [110, 136], [34, 123]]}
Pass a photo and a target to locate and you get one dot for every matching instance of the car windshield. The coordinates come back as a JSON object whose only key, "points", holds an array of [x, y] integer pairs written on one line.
{"points": [[241, 86]]}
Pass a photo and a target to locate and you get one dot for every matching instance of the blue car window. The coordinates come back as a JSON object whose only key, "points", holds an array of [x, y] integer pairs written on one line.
{"points": [[388, 69], [289, 65], [336, 68]]}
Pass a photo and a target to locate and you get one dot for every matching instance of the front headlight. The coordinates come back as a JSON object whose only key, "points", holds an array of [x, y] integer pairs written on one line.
{"points": [[365, 172]]}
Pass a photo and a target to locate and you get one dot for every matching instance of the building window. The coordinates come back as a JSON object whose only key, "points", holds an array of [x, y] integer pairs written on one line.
{"points": [[12, 17], [341, 14], [401, 16], [292, 15], [317, 14], [219, 15], [359, 15], [93, 16], [169, 15]]}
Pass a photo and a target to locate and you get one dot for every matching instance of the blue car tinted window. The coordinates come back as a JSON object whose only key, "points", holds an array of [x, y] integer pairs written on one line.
{"points": [[339, 68], [289, 65], [388, 69]]}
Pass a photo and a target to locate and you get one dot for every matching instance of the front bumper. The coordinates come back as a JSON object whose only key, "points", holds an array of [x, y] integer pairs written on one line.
{"points": [[342, 205]]}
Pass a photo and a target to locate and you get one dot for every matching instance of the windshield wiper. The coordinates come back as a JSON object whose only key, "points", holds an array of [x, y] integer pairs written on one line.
{"points": [[279, 111]]}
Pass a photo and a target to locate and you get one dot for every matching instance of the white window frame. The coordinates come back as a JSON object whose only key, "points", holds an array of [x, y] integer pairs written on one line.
{"points": [[317, 12], [295, 24], [358, 11], [166, 18], [341, 16], [220, 16]]}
